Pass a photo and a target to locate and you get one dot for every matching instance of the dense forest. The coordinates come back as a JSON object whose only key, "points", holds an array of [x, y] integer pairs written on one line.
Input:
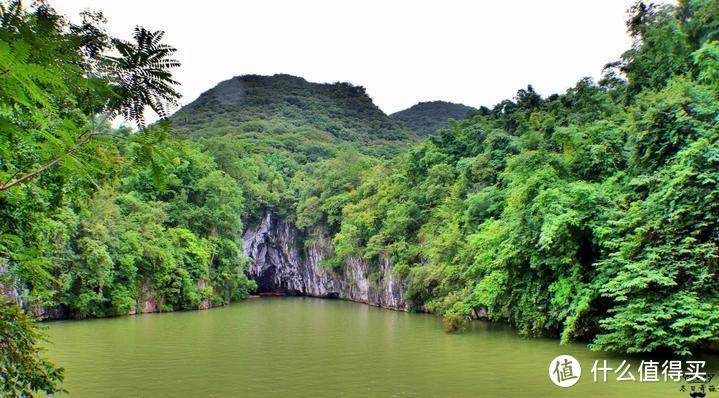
{"points": [[300, 116], [590, 215], [426, 118]]}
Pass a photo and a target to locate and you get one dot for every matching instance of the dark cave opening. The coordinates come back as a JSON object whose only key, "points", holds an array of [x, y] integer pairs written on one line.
{"points": [[265, 282]]}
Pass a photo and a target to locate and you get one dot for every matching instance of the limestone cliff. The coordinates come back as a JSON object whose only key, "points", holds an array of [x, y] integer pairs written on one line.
{"points": [[281, 263]]}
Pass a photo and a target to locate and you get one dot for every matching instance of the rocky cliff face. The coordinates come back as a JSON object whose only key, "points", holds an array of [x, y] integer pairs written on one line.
{"points": [[281, 263]]}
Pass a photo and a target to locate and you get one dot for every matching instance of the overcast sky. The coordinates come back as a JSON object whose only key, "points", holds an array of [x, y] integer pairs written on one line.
{"points": [[401, 51]]}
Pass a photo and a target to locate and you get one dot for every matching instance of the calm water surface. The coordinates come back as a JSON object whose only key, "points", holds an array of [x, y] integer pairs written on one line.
{"points": [[304, 347]]}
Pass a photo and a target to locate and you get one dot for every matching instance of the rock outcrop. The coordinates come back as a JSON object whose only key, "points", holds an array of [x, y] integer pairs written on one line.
{"points": [[11, 291], [281, 263]]}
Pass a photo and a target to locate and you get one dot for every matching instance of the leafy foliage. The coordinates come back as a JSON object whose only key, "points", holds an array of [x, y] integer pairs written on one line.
{"points": [[73, 233], [143, 77], [588, 215], [591, 215], [23, 372], [276, 106]]}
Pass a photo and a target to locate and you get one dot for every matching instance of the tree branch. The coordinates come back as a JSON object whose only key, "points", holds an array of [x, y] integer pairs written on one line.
{"points": [[49, 164], [83, 139]]}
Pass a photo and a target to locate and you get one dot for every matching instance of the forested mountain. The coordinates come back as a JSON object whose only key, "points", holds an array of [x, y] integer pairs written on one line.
{"points": [[426, 118], [590, 215], [284, 104]]}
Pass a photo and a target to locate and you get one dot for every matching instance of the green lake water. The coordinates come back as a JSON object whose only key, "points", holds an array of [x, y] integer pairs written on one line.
{"points": [[304, 347]]}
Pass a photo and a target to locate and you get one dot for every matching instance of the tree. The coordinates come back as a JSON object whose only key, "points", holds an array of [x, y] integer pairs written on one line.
{"points": [[58, 89], [142, 76], [38, 86], [23, 372]]}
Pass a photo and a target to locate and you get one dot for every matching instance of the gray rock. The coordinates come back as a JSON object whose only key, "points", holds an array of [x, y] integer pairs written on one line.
{"points": [[279, 264]]}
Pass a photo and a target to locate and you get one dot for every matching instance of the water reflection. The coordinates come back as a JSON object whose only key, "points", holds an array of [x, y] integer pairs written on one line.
{"points": [[303, 347]]}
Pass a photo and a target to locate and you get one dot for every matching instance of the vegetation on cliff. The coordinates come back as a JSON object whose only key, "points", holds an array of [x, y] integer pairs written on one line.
{"points": [[91, 218], [590, 215], [593, 214]]}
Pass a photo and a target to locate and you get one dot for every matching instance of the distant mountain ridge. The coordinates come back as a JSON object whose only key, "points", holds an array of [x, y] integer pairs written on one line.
{"points": [[425, 118], [344, 111]]}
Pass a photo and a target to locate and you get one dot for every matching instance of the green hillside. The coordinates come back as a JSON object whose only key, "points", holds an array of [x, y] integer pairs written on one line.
{"points": [[284, 107], [426, 118], [589, 215]]}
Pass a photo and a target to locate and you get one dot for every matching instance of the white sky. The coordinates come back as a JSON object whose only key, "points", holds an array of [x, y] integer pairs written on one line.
{"points": [[401, 51]]}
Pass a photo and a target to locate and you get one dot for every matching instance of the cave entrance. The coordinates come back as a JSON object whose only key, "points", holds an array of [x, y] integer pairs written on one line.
{"points": [[266, 282]]}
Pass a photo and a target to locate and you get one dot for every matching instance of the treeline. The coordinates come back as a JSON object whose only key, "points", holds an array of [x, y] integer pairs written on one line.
{"points": [[93, 220], [97, 221], [114, 215], [174, 241], [589, 215]]}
